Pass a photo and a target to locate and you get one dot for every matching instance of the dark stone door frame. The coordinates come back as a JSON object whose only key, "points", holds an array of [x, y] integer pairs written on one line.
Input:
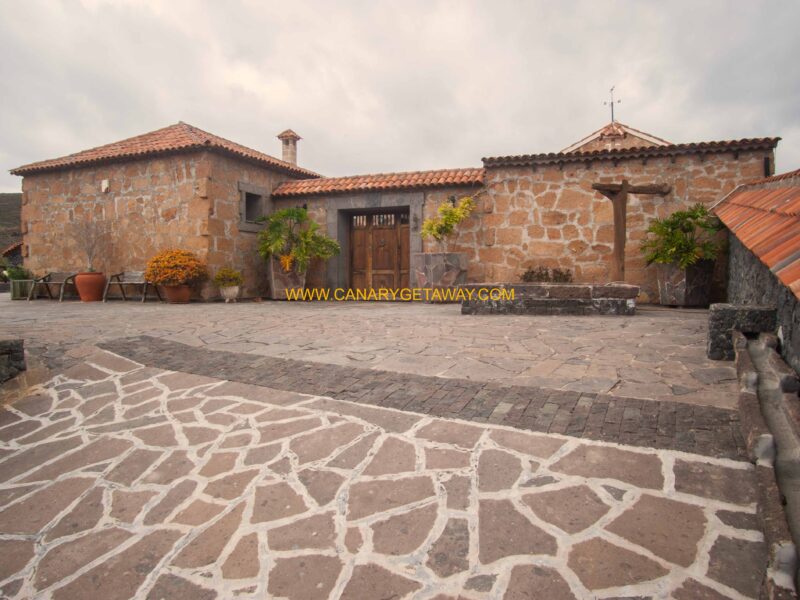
{"points": [[340, 207]]}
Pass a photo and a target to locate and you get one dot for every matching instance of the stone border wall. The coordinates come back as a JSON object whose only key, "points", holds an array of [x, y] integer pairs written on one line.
{"points": [[553, 299], [751, 282]]}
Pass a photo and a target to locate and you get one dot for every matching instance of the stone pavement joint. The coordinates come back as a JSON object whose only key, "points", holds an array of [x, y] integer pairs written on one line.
{"points": [[672, 425]]}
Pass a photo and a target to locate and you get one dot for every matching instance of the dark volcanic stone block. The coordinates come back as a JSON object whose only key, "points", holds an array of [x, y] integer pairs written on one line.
{"points": [[12, 359], [724, 318], [553, 299]]}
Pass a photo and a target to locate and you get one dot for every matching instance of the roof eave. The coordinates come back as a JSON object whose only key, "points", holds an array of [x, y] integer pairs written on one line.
{"points": [[43, 167], [631, 153], [412, 188]]}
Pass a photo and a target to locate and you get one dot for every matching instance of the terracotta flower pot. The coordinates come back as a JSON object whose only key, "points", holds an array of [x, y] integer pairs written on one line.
{"points": [[90, 286], [178, 294]]}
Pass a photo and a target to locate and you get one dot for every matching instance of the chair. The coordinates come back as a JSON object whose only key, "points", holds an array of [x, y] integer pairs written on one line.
{"points": [[133, 278], [58, 279]]}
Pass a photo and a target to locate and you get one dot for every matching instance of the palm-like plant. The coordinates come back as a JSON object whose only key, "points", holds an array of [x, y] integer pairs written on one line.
{"points": [[683, 238], [294, 239]]}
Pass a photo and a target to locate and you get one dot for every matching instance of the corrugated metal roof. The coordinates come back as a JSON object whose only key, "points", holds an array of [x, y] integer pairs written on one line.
{"points": [[765, 217]]}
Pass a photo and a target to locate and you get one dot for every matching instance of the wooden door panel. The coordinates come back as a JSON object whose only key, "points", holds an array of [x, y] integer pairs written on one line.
{"points": [[379, 250], [382, 280], [384, 249], [405, 243]]}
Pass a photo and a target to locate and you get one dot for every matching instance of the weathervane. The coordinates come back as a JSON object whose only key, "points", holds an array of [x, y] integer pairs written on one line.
{"points": [[612, 102]]}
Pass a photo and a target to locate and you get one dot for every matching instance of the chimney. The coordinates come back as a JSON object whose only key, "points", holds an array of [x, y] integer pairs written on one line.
{"points": [[289, 140]]}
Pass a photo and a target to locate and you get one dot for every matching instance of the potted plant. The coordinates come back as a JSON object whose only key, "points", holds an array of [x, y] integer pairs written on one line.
{"points": [[288, 243], [91, 236], [683, 246], [175, 270], [443, 268], [228, 281], [21, 280]]}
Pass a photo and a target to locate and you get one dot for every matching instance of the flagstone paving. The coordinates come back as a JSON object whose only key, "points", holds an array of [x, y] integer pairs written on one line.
{"points": [[650, 423], [659, 354], [121, 480]]}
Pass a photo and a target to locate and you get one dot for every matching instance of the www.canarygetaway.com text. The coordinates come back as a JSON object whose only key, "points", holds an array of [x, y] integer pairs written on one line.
{"points": [[398, 294]]}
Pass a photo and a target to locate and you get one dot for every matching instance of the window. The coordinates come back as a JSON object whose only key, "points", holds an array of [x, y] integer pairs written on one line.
{"points": [[254, 203], [253, 207]]}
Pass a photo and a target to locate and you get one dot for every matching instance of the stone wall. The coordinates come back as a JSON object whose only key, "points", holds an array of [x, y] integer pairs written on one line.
{"points": [[325, 210], [151, 205], [187, 201], [751, 282], [230, 244], [550, 216]]}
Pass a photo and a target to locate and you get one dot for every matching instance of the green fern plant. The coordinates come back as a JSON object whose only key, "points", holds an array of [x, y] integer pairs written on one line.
{"points": [[449, 216], [294, 239], [683, 238]]}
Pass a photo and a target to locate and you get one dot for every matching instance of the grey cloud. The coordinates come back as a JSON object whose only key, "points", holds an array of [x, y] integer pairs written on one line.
{"points": [[382, 86]]}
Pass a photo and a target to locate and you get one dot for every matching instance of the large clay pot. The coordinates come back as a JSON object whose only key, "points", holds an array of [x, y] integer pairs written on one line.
{"points": [[229, 292], [685, 287], [280, 280], [178, 294], [90, 286]]}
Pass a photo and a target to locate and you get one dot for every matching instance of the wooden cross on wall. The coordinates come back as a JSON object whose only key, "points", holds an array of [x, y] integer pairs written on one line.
{"points": [[618, 194]]}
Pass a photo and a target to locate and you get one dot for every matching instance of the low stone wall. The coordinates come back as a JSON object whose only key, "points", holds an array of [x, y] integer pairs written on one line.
{"points": [[724, 319], [751, 282], [12, 359], [552, 299]]}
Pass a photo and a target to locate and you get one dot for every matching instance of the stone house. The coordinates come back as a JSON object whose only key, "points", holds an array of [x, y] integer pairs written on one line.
{"points": [[177, 187], [183, 187]]}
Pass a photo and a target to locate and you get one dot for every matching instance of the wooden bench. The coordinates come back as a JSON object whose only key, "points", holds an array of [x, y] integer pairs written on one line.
{"points": [[132, 278], [58, 279]]}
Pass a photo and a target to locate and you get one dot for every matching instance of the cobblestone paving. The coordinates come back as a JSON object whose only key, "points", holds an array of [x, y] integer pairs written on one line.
{"points": [[119, 480], [658, 354], [650, 423]]}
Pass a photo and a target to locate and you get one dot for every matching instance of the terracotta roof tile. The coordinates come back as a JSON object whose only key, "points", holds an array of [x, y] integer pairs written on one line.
{"points": [[615, 129], [765, 217], [380, 182], [180, 137], [10, 248], [623, 153]]}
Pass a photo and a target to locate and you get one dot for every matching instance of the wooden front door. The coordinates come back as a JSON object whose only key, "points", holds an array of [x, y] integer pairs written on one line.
{"points": [[379, 250]]}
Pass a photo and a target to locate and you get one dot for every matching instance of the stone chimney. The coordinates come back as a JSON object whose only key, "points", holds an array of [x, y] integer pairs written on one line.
{"points": [[289, 140]]}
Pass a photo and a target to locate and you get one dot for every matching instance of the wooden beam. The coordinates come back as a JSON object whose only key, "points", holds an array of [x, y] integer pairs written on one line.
{"points": [[608, 189], [620, 203]]}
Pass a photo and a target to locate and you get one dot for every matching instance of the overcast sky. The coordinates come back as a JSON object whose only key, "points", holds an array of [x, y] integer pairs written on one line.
{"points": [[379, 86]]}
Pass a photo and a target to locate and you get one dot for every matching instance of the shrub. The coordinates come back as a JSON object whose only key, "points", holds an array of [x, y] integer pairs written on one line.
{"points": [[683, 238], [294, 239], [443, 225], [227, 277], [175, 267], [13, 272], [545, 275]]}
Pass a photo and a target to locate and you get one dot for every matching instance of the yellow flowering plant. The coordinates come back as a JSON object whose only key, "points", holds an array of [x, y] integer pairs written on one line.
{"points": [[227, 277], [175, 267], [449, 216]]}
